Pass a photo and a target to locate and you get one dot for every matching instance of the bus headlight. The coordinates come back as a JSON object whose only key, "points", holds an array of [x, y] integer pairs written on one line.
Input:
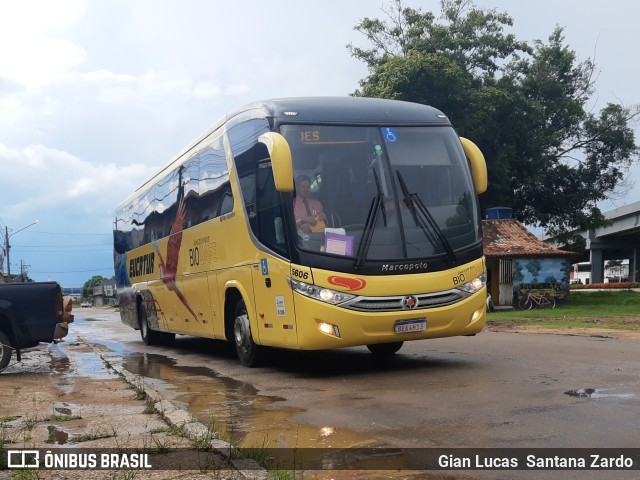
{"points": [[474, 285], [323, 294]]}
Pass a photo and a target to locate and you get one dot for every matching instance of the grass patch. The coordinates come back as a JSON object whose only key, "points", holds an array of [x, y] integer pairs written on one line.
{"points": [[160, 430], [150, 406], [60, 418], [612, 310], [138, 387], [88, 437], [178, 431]]}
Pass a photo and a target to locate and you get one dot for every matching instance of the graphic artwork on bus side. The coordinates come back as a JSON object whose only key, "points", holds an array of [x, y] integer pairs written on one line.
{"points": [[169, 268]]}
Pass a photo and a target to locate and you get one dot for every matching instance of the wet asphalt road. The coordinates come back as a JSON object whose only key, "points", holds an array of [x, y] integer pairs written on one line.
{"points": [[492, 390]]}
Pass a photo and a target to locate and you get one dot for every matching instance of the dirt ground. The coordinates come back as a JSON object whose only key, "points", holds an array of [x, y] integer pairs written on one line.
{"points": [[65, 398], [632, 331]]}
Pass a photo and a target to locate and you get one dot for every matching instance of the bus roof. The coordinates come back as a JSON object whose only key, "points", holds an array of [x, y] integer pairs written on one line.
{"points": [[321, 110], [359, 110]]}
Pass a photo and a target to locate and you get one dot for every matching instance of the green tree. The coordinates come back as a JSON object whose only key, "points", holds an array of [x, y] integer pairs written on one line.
{"points": [[527, 107], [87, 288]]}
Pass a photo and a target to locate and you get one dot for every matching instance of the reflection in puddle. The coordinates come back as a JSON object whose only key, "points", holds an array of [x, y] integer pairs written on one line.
{"points": [[64, 409], [239, 413], [66, 361], [582, 392], [597, 393], [91, 365], [57, 436], [236, 410], [59, 362]]}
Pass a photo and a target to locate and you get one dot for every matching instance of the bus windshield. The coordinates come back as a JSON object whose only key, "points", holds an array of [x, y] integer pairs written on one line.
{"points": [[382, 193]]}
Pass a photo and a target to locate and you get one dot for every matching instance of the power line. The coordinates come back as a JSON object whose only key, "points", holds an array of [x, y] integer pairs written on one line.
{"points": [[63, 246], [76, 250], [73, 234], [78, 271]]}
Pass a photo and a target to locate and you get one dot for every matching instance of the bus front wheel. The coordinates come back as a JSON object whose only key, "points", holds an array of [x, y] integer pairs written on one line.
{"points": [[384, 349], [249, 353]]}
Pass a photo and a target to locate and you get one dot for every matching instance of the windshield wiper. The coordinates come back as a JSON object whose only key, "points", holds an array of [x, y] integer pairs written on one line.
{"points": [[380, 194], [377, 205], [423, 218], [367, 234]]}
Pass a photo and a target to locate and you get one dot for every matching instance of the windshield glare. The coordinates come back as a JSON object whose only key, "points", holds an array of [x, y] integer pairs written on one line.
{"points": [[346, 174]]}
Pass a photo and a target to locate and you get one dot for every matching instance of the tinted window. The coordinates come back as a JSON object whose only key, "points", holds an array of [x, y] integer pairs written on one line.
{"points": [[261, 200], [202, 182]]}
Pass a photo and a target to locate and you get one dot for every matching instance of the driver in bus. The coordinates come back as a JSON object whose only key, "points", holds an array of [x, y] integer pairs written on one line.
{"points": [[308, 211]]}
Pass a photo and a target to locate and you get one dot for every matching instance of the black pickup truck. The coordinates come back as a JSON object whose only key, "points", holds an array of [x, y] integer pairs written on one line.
{"points": [[31, 313]]}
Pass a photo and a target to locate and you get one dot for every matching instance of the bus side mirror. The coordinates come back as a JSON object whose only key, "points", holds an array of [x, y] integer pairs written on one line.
{"points": [[477, 163], [281, 163]]}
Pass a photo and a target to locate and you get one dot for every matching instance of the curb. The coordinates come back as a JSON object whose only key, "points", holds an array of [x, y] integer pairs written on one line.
{"points": [[175, 415]]}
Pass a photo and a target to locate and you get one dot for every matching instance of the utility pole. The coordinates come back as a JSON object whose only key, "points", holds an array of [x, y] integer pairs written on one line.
{"points": [[7, 246], [24, 271]]}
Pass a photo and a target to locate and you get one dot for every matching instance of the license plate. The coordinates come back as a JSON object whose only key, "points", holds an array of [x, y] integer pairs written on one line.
{"points": [[417, 325]]}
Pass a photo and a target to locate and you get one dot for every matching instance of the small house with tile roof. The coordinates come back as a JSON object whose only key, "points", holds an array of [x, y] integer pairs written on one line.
{"points": [[518, 262]]}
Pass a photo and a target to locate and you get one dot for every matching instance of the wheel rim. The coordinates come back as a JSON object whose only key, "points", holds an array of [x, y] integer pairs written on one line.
{"points": [[241, 331], [144, 328]]}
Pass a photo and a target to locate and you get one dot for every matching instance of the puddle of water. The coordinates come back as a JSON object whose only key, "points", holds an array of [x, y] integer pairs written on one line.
{"points": [[57, 436], [82, 326], [86, 364], [581, 392], [597, 393], [64, 409], [91, 365], [59, 362], [236, 410]]}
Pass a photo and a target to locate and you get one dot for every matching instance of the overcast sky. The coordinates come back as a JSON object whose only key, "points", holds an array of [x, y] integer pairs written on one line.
{"points": [[96, 95]]}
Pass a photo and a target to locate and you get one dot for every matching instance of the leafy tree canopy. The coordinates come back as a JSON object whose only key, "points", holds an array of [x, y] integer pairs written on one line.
{"points": [[528, 107], [87, 288]]}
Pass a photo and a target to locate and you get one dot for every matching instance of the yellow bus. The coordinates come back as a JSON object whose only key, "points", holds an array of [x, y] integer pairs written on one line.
{"points": [[309, 223]]}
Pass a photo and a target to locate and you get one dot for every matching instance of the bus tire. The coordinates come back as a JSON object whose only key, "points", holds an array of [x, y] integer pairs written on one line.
{"points": [[5, 350], [384, 349], [249, 353], [149, 337]]}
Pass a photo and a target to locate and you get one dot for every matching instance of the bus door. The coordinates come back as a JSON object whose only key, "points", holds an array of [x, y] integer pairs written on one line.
{"points": [[273, 295], [274, 303]]}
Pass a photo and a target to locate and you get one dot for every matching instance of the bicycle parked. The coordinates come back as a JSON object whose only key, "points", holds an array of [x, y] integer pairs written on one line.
{"points": [[532, 300]]}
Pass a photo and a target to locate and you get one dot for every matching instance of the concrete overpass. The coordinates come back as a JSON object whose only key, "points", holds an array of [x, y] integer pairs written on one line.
{"points": [[618, 241]]}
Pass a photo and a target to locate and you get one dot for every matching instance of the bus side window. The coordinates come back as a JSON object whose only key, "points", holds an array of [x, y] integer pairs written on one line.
{"points": [[214, 182], [227, 201], [269, 225], [243, 138], [261, 200]]}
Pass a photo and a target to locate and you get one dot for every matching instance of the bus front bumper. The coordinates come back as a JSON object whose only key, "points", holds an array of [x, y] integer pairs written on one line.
{"points": [[324, 326]]}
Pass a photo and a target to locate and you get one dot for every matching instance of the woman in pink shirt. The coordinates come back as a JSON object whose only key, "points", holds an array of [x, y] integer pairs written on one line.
{"points": [[308, 211]]}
